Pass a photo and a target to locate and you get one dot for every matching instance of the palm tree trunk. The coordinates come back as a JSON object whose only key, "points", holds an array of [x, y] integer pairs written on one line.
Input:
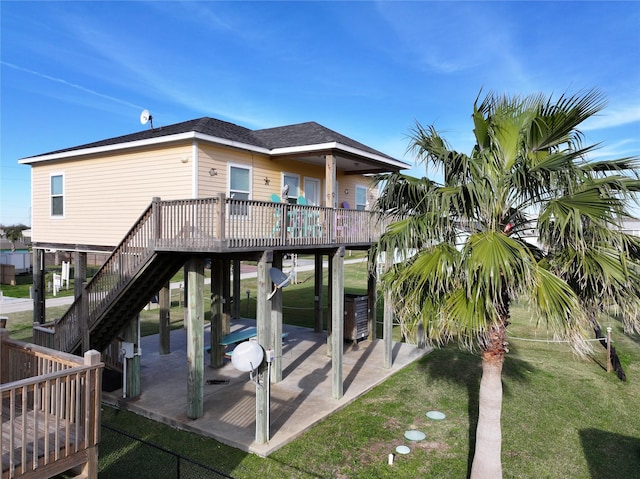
{"points": [[487, 458], [487, 462]]}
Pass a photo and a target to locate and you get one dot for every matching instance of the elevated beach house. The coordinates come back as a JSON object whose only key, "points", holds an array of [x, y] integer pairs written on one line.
{"points": [[176, 196]]}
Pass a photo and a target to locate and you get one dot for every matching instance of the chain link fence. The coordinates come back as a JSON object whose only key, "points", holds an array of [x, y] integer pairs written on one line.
{"points": [[123, 455]]}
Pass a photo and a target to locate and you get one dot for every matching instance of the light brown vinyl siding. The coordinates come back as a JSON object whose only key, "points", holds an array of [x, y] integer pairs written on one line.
{"points": [[262, 167], [104, 195], [213, 156], [218, 158]]}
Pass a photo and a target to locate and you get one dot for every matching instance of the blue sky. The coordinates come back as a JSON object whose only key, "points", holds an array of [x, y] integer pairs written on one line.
{"points": [[76, 72]]}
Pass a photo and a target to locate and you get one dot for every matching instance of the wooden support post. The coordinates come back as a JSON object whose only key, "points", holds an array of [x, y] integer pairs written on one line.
{"points": [[220, 216], [263, 306], [164, 298], [337, 318], [79, 272], [156, 214], [39, 289], [387, 330], [4, 335], [372, 293], [263, 320], [317, 297], [237, 294], [226, 296], [330, 168], [89, 469], [226, 292], [84, 319], [217, 324], [276, 322], [330, 314], [131, 334], [185, 311], [387, 326], [195, 338]]}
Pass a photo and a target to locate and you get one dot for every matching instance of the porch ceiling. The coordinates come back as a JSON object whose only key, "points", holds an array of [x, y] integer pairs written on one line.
{"points": [[350, 164]]}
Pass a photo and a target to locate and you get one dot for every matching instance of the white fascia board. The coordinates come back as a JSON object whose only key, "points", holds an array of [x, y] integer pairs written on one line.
{"points": [[140, 144], [290, 150], [191, 135], [234, 144]]}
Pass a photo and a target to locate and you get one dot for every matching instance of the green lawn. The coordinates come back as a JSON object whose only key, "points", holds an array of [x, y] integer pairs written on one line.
{"points": [[562, 417]]}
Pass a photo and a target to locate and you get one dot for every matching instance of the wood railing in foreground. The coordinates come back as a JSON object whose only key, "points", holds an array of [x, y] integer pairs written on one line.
{"points": [[50, 410]]}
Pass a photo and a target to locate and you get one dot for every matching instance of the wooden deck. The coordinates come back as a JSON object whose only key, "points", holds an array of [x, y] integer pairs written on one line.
{"points": [[205, 227], [50, 411]]}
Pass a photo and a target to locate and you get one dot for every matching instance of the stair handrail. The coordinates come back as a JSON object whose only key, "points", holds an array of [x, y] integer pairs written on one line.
{"points": [[134, 250]]}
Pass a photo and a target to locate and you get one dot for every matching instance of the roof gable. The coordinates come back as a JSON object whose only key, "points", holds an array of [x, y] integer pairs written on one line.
{"points": [[309, 133]]}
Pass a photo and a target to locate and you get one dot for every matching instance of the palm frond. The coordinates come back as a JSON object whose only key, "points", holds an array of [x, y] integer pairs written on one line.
{"points": [[559, 309]]}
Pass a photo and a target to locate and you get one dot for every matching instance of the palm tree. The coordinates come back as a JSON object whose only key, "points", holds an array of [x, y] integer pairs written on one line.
{"points": [[471, 261], [14, 234]]}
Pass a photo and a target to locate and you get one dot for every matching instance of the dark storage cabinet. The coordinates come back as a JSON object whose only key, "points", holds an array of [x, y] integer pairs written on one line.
{"points": [[356, 317]]}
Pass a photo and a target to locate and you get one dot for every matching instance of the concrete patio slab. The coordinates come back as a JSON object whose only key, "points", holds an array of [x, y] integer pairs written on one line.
{"points": [[300, 400]]}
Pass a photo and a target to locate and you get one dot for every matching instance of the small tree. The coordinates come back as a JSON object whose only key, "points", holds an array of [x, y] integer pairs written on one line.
{"points": [[14, 234]]}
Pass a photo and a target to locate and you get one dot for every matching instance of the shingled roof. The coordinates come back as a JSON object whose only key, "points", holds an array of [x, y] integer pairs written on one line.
{"points": [[309, 133], [302, 134]]}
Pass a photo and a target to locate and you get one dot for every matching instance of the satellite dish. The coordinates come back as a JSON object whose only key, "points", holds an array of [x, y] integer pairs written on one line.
{"points": [[146, 117], [247, 356], [280, 280]]}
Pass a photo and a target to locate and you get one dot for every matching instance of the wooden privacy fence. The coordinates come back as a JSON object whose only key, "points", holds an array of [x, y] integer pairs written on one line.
{"points": [[50, 410]]}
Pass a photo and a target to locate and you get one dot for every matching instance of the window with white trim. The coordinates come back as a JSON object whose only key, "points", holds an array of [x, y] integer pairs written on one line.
{"points": [[361, 198], [57, 195], [239, 187], [290, 183]]}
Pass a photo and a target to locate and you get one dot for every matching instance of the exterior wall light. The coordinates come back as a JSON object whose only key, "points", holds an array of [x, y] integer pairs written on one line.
{"points": [[213, 172]]}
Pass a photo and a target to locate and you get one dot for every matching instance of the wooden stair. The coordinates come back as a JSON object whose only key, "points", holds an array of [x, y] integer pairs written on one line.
{"points": [[155, 274]]}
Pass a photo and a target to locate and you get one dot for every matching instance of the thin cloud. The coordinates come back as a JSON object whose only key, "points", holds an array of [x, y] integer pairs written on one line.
{"points": [[612, 117], [619, 149], [169, 80], [70, 85]]}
